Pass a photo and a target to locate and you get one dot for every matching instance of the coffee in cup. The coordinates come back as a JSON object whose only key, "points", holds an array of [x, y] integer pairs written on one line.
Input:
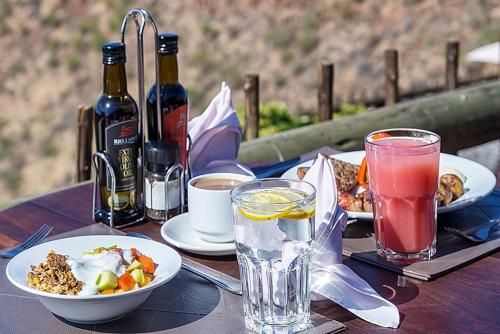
{"points": [[216, 184], [209, 205]]}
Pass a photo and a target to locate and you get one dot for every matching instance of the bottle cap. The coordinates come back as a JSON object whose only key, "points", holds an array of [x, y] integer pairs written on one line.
{"points": [[113, 53], [168, 43], [161, 154]]}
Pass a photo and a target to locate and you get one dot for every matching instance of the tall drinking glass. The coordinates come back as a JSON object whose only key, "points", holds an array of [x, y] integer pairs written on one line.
{"points": [[274, 231], [403, 169]]}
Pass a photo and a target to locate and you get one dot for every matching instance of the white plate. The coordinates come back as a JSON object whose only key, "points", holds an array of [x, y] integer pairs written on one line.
{"points": [[479, 180], [97, 308], [178, 232]]}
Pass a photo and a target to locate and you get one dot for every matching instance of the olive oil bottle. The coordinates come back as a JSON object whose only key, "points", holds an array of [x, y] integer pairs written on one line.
{"points": [[173, 99], [116, 127]]}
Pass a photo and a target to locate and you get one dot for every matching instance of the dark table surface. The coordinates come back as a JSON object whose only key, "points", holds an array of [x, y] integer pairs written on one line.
{"points": [[464, 301]]}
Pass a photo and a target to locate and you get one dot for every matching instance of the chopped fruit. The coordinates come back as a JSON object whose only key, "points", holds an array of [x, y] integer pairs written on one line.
{"points": [[106, 280], [147, 263], [136, 286], [126, 282], [107, 292], [134, 265], [138, 275], [363, 174], [147, 280], [99, 250], [380, 135], [135, 253], [119, 290]]}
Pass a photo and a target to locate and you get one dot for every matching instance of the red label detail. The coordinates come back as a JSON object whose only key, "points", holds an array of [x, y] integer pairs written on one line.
{"points": [[175, 128], [126, 131]]}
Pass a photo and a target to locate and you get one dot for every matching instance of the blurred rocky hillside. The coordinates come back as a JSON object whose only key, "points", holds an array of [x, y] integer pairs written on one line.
{"points": [[50, 60]]}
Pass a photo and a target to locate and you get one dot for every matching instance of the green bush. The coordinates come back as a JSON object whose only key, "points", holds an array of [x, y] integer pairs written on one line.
{"points": [[53, 60], [51, 20], [48, 147], [72, 63], [276, 117], [348, 109], [280, 39]]}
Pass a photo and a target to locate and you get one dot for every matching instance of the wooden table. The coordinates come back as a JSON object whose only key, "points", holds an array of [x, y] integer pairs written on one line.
{"points": [[464, 301]]}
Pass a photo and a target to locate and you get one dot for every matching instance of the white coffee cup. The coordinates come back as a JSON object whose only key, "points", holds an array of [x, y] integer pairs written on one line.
{"points": [[210, 211]]}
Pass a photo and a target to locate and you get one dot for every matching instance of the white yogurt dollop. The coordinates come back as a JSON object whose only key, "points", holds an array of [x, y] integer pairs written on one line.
{"points": [[88, 268]]}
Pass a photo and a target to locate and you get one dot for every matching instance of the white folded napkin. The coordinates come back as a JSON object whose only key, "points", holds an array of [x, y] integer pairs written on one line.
{"points": [[330, 277], [215, 138]]}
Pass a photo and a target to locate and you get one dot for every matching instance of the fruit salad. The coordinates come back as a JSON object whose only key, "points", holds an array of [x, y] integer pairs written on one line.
{"points": [[104, 271]]}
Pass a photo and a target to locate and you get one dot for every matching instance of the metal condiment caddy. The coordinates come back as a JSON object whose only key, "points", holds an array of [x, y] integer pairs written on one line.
{"points": [[140, 17]]}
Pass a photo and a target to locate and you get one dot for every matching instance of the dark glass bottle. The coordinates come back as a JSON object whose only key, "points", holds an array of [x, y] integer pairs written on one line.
{"points": [[116, 127], [173, 98]]}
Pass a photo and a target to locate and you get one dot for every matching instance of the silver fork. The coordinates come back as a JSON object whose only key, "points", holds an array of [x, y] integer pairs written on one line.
{"points": [[480, 234], [33, 240]]}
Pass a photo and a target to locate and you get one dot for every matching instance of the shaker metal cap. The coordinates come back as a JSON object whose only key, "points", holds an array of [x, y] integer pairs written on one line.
{"points": [[161, 153]]}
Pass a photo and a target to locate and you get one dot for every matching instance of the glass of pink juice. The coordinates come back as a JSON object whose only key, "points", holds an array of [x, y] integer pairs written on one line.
{"points": [[403, 169]]}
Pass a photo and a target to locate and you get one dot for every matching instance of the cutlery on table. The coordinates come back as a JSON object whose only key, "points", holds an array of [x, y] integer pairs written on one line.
{"points": [[230, 286], [479, 234], [33, 240]]}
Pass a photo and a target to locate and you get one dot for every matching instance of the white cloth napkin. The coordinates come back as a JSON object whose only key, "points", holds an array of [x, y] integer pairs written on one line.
{"points": [[215, 138], [330, 277]]}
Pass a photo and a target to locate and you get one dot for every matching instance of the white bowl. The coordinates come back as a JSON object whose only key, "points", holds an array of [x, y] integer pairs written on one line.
{"points": [[98, 308]]}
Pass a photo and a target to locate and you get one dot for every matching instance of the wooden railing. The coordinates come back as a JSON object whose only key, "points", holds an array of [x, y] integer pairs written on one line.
{"points": [[463, 117]]}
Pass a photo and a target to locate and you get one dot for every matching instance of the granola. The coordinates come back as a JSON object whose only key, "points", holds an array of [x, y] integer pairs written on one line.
{"points": [[54, 275]]}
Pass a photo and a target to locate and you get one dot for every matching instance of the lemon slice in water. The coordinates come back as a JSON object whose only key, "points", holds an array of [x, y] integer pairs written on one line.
{"points": [[272, 204]]}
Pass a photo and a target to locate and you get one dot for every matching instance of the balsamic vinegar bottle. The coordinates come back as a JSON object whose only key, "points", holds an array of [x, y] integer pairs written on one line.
{"points": [[173, 99], [116, 127]]}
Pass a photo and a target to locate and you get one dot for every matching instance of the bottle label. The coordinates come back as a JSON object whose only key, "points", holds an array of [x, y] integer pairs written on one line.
{"points": [[175, 128], [122, 150], [122, 200], [155, 194]]}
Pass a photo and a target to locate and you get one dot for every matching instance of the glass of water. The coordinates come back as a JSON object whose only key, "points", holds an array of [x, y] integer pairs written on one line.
{"points": [[274, 230]]}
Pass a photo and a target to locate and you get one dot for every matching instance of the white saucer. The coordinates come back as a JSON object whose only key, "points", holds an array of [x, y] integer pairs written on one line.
{"points": [[178, 232]]}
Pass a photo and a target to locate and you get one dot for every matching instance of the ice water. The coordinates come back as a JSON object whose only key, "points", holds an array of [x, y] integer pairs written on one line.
{"points": [[274, 229]]}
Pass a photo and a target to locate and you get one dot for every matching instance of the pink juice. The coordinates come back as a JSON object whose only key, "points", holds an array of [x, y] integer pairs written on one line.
{"points": [[403, 179]]}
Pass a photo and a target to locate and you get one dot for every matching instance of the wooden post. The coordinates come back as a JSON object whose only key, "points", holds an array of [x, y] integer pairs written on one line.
{"points": [[325, 92], [84, 143], [391, 77], [251, 89], [452, 52]]}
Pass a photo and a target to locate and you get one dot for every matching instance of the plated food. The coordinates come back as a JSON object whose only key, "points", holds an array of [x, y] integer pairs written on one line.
{"points": [[352, 182], [96, 306], [478, 183], [104, 270]]}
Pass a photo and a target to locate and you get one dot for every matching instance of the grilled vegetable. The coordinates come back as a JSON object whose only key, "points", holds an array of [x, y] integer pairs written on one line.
{"points": [[445, 194], [454, 183]]}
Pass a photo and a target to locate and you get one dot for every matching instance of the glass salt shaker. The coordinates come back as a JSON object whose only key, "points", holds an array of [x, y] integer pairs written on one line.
{"points": [[164, 180]]}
